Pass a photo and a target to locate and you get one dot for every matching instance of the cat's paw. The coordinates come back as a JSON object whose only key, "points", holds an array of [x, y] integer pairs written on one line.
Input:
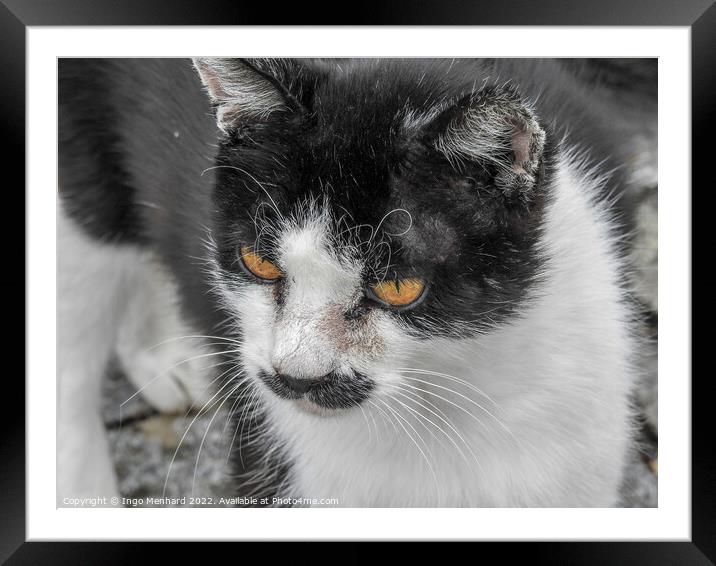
{"points": [[158, 351], [171, 379]]}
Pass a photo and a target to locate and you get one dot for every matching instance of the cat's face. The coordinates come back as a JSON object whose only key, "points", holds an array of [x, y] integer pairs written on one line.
{"points": [[364, 210]]}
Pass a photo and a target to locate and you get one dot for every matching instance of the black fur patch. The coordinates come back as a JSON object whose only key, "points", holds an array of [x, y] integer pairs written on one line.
{"points": [[95, 182], [336, 391], [457, 226]]}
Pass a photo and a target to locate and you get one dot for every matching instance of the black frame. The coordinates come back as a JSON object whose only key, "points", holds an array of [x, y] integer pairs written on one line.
{"points": [[15, 15]]}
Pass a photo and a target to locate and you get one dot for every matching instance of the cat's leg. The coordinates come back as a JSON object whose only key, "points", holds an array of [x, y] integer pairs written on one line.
{"points": [[92, 287], [157, 350]]}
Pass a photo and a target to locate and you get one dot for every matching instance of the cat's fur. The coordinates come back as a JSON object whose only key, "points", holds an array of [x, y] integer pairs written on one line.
{"points": [[506, 384]]}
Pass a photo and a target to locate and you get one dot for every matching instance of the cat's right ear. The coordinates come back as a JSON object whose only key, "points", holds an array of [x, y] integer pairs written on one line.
{"points": [[246, 89]]}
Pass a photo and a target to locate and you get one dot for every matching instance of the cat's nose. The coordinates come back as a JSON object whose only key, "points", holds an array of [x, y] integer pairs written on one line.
{"points": [[301, 385]]}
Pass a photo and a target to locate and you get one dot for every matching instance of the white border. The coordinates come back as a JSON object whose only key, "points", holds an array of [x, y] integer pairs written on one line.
{"points": [[670, 521]]}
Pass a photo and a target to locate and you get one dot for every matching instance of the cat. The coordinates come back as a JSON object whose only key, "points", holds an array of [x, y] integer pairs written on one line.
{"points": [[410, 267]]}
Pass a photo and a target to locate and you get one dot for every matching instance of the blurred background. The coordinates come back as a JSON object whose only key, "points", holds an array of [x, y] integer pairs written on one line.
{"points": [[145, 444]]}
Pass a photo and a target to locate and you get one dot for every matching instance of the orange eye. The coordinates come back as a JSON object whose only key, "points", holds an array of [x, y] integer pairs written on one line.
{"points": [[261, 268], [399, 293]]}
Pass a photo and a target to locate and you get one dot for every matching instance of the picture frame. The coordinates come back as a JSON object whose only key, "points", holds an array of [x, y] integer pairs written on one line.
{"points": [[699, 16]]}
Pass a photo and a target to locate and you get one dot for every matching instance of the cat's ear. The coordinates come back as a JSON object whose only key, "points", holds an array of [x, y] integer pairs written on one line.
{"points": [[249, 89], [495, 128]]}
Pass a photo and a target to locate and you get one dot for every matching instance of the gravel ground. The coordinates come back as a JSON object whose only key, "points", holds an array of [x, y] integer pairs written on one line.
{"points": [[157, 455]]}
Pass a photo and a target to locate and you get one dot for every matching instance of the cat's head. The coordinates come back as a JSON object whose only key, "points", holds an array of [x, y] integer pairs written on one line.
{"points": [[366, 209]]}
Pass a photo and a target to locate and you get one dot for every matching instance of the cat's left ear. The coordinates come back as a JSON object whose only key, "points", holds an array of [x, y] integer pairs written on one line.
{"points": [[495, 128], [244, 90]]}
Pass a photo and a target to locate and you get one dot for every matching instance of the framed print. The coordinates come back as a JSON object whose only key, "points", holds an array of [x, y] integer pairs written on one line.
{"points": [[393, 282]]}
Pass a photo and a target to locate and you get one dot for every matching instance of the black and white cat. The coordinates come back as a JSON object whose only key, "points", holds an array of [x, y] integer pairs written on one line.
{"points": [[409, 264]]}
